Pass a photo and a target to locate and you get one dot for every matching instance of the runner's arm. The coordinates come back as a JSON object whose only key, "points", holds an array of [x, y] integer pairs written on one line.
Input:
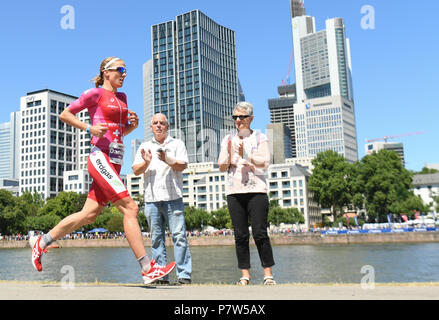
{"points": [[68, 117]]}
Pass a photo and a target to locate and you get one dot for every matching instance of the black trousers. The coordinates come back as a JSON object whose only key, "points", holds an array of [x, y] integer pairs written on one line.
{"points": [[253, 206]]}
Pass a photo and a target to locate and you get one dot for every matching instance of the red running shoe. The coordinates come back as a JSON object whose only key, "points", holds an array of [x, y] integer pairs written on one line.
{"points": [[157, 272], [37, 252]]}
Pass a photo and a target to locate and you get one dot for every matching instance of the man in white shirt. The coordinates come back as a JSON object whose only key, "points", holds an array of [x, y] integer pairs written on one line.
{"points": [[162, 160]]}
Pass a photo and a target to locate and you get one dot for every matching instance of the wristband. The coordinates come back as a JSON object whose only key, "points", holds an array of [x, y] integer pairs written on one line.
{"points": [[88, 129]]}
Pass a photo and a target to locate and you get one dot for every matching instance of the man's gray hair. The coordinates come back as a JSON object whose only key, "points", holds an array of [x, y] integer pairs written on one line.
{"points": [[244, 106], [166, 119]]}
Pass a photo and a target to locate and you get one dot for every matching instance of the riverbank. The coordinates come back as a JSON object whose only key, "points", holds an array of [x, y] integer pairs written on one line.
{"points": [[290, 239]]}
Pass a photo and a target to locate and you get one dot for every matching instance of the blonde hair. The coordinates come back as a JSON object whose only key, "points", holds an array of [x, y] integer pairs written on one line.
{"points": [[99, 80]]}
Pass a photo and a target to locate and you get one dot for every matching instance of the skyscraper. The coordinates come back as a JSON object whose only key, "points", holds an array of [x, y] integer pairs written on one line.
{"points": [[324, 113], [195, 81], [148, 107], [322, 59], [279, 137], [9, 143], [282, 112], [297, 8]]}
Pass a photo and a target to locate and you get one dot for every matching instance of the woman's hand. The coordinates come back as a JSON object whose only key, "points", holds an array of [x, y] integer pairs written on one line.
{"points": [[133, 119], [241, 149], [99, 130]]}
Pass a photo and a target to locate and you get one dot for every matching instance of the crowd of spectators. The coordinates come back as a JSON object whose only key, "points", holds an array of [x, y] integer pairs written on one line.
{"points": [[209, 232]]}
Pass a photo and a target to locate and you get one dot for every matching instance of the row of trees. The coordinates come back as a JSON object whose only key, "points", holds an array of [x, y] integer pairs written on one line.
{"points": [[19, 215], [378, 183]]}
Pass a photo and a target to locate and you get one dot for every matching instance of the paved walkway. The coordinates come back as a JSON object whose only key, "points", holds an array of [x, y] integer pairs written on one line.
{"points": [[14, 290]]}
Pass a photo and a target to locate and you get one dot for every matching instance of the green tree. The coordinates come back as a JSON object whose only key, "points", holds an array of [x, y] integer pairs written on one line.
{"points": [[278, 215], [196, 218], [345, 223], [426, 170], [331, 181], [79, 201], [221, 218], [115, 222], [43, 222], [62, 205], [435, 203], [9, 217], [408, 205], [102, 219], [385, 183]]}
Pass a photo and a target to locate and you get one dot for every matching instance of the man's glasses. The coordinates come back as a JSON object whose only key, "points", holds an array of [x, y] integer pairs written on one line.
{"points": [[241, 117], [122, 70]]}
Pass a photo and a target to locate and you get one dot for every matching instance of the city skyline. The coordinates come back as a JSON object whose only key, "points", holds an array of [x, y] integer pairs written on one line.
{"points": [[393, 65]]}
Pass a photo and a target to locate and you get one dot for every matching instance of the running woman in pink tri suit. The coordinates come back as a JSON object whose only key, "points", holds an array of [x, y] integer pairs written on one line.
{"points": [[110, 122]]}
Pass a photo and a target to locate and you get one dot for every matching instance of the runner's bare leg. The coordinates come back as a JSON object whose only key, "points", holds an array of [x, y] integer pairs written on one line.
{"points": [[131, 226], [87, 215]]}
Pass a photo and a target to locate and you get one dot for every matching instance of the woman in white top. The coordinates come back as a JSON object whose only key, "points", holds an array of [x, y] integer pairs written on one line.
{"points": [[246, 156]]}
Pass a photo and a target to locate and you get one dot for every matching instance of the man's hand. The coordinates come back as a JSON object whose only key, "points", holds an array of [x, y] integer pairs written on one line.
{"points": [[161, 155], [147, 156]]}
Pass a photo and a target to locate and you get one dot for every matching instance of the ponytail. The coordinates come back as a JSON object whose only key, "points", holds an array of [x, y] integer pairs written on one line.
{"points": [[99, 80]]}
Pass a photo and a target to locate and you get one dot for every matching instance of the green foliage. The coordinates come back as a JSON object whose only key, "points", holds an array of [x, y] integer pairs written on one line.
{"points": [[63, 205], [220, 219], [385, 183], [143, 223], [8, 213], [196, 218], [278, 215], [345, 223], [79, 201], [378, 182], [426, 170], [115, 222], [102, 220], [41, 223], [331, 181], [408, 205], [436, 206]]}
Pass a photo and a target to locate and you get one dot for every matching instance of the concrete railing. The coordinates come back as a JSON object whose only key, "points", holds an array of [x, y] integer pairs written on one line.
{"points": [[294, 239]]}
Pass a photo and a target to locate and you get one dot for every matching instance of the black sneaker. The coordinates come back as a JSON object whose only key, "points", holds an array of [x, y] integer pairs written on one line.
{"points": [[162, 282], [184, 281]]}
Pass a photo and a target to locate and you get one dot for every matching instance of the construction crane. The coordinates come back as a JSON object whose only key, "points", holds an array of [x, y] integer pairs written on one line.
{"points": [[385, 138], [287, 81]]}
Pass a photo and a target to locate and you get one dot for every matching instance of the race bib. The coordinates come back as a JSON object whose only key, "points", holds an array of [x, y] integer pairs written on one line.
{"points": [[116, 153]]}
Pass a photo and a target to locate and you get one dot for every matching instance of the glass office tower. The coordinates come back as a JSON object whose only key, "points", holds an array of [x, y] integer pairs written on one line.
{"points": [[195, 81]]}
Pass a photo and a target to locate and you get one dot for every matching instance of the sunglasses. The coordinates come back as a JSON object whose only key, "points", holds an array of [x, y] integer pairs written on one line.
{"points": [[122, 70], [241, 117]]}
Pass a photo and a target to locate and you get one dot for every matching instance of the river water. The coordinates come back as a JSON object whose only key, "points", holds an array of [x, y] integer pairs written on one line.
{"points": [[400, 262]]}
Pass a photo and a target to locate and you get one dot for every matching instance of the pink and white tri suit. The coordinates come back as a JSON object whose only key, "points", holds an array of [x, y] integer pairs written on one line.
{"points": [[109, 109]]}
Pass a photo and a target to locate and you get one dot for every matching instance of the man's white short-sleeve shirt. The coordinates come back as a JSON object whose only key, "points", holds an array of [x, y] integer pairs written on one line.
{"points": [[162, 183]]}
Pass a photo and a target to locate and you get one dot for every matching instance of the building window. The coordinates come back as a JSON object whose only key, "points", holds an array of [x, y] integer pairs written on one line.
{"points": [[273, 185]]}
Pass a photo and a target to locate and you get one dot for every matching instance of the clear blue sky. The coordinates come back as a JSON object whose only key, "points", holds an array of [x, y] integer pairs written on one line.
{"points": [[395, 65]]}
